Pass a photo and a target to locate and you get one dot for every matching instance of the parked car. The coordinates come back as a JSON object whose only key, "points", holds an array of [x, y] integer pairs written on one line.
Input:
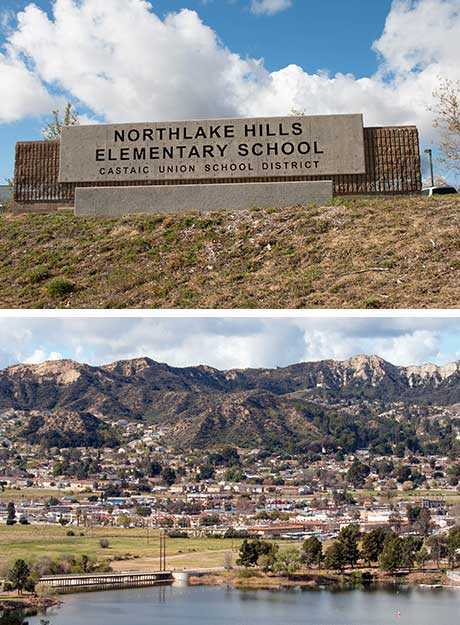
{"points": [[440, 190]]}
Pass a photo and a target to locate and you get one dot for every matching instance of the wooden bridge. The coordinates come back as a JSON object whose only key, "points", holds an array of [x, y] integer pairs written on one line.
{"points": [[107, 581]]}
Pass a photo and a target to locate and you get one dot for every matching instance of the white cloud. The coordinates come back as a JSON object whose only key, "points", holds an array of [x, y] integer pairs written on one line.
{"points": [[124, 63], [412, 347], [23, 93], [40, 355], [228, 343], [269, 7]]}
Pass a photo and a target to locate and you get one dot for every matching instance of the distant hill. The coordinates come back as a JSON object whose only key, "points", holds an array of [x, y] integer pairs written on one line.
{"points": [[359, 253], [67, 429], [314, 403]]}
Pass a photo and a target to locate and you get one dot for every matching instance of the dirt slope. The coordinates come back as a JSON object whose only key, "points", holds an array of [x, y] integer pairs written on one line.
{"points": [[381, 253]]}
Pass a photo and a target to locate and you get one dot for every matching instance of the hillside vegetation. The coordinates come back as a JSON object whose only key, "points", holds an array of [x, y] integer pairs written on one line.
{"points": [[378, 253], [305, 407]]}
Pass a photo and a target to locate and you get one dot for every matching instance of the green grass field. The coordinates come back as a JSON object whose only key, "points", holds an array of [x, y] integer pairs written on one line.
{"points": [[135, 549], [18, 494], [32, 541]]}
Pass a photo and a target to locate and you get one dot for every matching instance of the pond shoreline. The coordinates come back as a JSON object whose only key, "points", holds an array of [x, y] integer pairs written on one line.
{"points": [[323, 579], [30, 606]]}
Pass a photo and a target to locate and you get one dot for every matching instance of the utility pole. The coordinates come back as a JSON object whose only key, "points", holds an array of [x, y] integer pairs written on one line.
{"points": [[162, 550], [429, 151]]}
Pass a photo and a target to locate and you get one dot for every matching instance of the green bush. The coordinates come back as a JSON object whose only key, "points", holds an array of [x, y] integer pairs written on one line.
{"points": [[372, 302], [247, 573], [39, 274], [60, 287]]}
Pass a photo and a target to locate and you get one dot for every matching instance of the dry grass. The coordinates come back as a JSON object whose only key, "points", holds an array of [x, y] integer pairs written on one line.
{"points": [[38, 494], [379, 253], [131, 549]]}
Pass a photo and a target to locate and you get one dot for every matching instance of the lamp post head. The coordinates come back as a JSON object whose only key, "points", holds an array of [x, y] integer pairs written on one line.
{"points": [[428, 151]]}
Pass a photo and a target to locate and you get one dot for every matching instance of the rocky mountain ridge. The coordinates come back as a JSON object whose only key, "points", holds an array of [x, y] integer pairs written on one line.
{"points": [[201, 405]]}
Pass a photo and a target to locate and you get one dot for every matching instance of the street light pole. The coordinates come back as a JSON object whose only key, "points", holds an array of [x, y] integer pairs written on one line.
{"points": [[430, 154]]}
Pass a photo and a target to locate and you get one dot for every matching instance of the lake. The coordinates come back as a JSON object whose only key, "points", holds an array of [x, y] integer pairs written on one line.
{"points": [[218, 605]]}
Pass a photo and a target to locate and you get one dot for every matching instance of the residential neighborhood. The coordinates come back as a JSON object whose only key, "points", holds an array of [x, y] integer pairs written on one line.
{"points": [[224, 491]]}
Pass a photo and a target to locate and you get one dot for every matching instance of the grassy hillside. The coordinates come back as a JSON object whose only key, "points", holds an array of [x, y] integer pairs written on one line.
{"points": [[392, 253]]}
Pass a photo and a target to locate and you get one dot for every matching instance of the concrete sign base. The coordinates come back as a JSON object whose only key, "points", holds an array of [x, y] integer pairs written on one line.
{"points": [[119, 201]]}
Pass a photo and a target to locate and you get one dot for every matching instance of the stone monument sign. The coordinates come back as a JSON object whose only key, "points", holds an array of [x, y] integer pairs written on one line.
{"points": [[212, 164], [214, 149]]}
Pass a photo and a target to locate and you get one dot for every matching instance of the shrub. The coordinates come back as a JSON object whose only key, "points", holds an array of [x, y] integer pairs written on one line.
{"points": [[60, 287], [29, 585], [177, 534], [70, 533], [39, 274], [44, 565], [372, 302], [104, 543], [43, 591], [247, 573]]}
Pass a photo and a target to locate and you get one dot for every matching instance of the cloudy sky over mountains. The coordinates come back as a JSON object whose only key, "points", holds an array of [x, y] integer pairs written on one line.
{"points": [[133, 60], [229, 342]]}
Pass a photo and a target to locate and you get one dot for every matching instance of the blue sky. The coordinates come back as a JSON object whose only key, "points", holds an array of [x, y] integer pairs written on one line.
{"points": [[317, 57], [332, 34], [228, 342]]}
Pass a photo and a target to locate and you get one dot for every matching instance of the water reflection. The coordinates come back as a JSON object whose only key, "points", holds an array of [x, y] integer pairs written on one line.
{"points": [[228, 606]]}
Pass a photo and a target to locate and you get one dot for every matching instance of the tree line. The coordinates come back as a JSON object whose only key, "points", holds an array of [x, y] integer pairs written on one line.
{"points": [[380, 547]]}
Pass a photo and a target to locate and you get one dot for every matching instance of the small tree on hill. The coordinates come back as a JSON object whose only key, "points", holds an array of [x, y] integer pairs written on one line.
{"points": [[421, 557], [248, 554], [447, 121], [312, 551], [168, 475], [391, 557], [423, 523], [372, 545], [11, 514], [207, 472], [18, 575], [453, 547], [53, 129], [251, 551], [357, 473], [410, 546], [438, 549], [84, 563], [228, 561], [348, 537], [287, 563], [335, 557]]}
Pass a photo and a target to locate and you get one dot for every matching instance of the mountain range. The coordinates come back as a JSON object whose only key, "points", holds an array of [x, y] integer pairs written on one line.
{"points": [[202, 406]]}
